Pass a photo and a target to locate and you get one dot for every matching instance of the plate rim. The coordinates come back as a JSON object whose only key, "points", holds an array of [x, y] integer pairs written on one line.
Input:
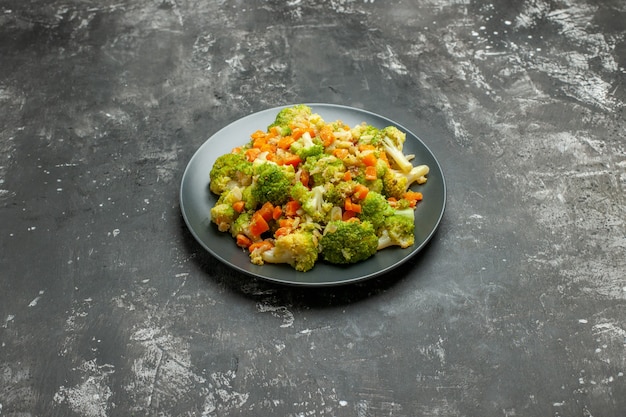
{"points": [[269, 278]]}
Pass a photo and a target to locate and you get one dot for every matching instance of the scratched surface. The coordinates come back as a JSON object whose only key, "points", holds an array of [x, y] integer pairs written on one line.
{"points": [[108, 307]]}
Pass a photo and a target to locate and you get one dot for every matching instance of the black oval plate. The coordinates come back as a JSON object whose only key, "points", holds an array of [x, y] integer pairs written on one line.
{"points": [[196, 201]]}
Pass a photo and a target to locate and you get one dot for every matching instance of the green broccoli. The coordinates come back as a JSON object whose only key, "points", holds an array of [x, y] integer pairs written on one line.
{"points": [[272, 183], [312, 201], [367, 134], [289, 116], [222, 213], [345, 242], [375, 208], [306, 146], [298, 249], [241, 225], [398, 230], [336, 194], [396, 183], [228, 171], [325, 169]]}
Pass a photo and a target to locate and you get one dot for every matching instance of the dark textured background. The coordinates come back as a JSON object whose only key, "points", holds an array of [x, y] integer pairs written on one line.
{"points": [[108, 307]]}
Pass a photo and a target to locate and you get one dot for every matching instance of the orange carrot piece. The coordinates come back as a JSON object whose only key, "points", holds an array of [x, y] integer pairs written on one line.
{"points": [[370, 173], [243, 241], [361, 191], [266, 211], [366, 147], [413, 196], [347, 176], [285, 142], [341, 153], [252, 153], [239, 206], [261, 244], [347, 215], [282, 231], [286, 222], [278, 211], [292, 207], [304, 178], [369, 159], [327, 136], [290, 159], [258, 225]]}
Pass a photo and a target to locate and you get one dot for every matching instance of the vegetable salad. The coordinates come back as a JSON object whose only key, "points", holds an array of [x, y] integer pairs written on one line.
{"points": [[305, 190]]}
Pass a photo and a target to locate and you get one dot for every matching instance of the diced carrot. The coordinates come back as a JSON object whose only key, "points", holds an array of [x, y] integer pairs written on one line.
{"points": [[347, 176], [286, 222], [327, 136], [356, 208], [361, 191], [267, 147], [369, 159], [285, 142], [258, 225], [259, 134], [261, 244], [341, 153], [282, 231], [266, 211], [350, 206], [243, 240], [252, 153], [290, 159], [304, 178], [347, 215], [292, 207], [366, 147], [236, 149], [413, 196], [370, 173], [278, 211], [239, 206]]}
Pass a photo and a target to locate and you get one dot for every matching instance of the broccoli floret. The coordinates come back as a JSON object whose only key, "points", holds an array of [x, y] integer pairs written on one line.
{"points": [[228, 171], [375, 208], [325, 169], [222, 213], [271, 183], [298, 249], [306, 147], [345, 242], [289, 116], [367, 134], [396, 183], [312, 201], [242, 226], [398, 230], [336, 194]]}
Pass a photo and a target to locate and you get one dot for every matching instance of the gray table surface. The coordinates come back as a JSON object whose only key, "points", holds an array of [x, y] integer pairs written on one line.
{"points": [[109, 307]]}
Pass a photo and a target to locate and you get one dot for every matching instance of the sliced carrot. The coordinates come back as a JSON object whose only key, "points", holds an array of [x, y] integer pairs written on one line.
{"points": [[264, 244], [370, 173], [286, 222], [413, 196], [304, 178], [258, 225], [278, 211], [341, 153], [327, 136], [239, 206], [347, 176], [243, 240], [369, 159], [292, 207], [266, 211], [290, 159], [282, 231], [252, 153], [285, 142], [347, 215], [361, 191]]}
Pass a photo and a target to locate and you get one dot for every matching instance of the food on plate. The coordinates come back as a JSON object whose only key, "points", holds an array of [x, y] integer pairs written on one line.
{"points": [[305, 190]]}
